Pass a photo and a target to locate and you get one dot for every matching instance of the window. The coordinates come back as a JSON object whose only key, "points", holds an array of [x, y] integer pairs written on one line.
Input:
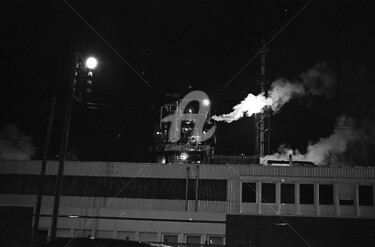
{"points": [[287, 193], [216, 240], [346, 193], [170, 238], [325, 194], [268, 193], [306, 193], [249, 192], [90, 186], [366, 195], [193, 239]]}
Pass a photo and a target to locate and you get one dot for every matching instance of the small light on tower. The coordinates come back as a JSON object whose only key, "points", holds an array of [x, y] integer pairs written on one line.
{"points": [[206, 102]]}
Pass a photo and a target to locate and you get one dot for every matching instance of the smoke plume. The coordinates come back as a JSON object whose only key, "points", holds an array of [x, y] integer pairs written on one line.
{"points": [[15, 145], [346, 146], [318, 80], [250, 105]]}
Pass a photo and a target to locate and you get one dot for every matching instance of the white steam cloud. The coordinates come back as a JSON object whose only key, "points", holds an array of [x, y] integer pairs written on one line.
{"points": [[316, 81], [250, 105], [335, 149], [15, 145]]}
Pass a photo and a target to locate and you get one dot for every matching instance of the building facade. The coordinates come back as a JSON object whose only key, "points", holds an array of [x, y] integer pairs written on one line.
{"points": [[233, 205]]}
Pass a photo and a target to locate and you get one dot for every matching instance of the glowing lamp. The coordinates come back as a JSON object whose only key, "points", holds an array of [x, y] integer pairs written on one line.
{"points": [[206, 102], [91, 63], [184, 156]]}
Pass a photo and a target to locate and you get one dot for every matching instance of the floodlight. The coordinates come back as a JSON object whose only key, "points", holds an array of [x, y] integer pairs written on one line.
{"points": [[91, 63]]}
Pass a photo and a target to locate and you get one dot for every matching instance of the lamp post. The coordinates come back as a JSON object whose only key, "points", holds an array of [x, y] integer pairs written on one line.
{"points": [[78, 69]]}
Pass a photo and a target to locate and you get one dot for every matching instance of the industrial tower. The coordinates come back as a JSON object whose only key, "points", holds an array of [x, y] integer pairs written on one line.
{"points": [[262, 119]]}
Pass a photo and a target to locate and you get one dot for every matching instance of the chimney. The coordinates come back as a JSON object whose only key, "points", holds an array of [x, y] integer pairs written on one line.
{"points": [[290, 160]]}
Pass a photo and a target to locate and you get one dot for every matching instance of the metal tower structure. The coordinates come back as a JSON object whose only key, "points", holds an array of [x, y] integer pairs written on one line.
{"points": [[262, 119]]}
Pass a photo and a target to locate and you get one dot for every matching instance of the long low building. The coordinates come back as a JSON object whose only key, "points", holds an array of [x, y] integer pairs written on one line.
{"points": [[233, 205]]}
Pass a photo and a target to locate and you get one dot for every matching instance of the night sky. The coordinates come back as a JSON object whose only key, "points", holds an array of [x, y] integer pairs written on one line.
{"points": [[177, 47]]}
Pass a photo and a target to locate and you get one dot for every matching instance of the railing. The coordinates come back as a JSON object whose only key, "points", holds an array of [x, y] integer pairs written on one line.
{"points": [[236, 159]]}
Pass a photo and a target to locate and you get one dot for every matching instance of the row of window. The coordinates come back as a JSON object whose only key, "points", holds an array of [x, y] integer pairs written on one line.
{"points": [[120, 187], [346, 193], [166, 238], [193, 239]]}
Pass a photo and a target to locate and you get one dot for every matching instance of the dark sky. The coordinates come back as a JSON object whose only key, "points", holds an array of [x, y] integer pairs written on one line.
{"points": [[178, 46]]}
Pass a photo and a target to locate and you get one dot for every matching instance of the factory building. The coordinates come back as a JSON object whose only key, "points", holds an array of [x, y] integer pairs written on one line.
{"points": [[185, 132], [198, 204]]}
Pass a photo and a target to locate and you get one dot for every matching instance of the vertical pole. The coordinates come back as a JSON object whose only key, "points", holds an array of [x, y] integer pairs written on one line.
{"points": [[356, 200], [262, 128], [63, 149], [35, 240], [262, 90], [316, 199], [187, 189], [196, 189], [297, 196]]}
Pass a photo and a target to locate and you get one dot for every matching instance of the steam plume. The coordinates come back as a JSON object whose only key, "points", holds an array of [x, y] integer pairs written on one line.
{"points": [[250, 105], [334, 149], [15, 145], [316, 81]]}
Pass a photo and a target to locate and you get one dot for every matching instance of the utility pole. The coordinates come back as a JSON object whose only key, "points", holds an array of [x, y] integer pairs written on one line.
{"points": [[82, 73], [35, 240], [63, 149], [262, 119]]}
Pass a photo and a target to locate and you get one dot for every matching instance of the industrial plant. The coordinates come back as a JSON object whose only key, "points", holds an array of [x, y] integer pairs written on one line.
{"points": [[192, 196]]}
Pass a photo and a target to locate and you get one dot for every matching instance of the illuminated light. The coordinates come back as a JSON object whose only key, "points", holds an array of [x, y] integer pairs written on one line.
{"points": [[281, 224], [184, 156], [282, 180], [91, 63], [73, 216], [206, 102], [190, 110]]}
